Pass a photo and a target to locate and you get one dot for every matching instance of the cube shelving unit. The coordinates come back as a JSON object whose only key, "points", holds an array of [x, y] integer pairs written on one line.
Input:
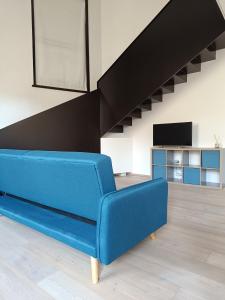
{"points": [[191, 166]]}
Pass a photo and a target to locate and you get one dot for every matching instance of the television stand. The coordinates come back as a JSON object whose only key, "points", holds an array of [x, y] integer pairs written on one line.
{"points": [[189, 165]]}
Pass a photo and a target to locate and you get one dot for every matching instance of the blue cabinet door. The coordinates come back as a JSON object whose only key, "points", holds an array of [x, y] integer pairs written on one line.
{"points": [[159, 172], [159, 157], [211, 159], [192, 176]]}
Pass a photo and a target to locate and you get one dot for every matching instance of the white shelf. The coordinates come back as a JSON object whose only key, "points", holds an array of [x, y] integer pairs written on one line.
{"points": [[185, 166]]}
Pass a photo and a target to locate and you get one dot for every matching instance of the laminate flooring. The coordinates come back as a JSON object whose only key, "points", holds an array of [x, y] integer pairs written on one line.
{"points": [[185, 262]]}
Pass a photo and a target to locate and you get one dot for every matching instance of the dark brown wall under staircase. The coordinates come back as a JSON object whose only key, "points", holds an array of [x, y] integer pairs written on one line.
{"points": [[71, 126]]}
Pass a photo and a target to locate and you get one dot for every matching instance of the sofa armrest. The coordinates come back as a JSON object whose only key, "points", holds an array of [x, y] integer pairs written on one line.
{"points": [[128, 216]]}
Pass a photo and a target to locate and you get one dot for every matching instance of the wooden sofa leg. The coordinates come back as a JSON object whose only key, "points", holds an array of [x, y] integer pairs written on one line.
{"points": [[94, 270], [152, 236]]}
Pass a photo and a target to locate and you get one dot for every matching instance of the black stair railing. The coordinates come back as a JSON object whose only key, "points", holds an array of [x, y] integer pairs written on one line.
{"points": [[178, 33]]}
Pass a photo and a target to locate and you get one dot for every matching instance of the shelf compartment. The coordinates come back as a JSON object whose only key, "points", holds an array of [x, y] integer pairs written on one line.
{"points": [[174, 157], [176, 180], [159, 157], [159, 172], [211, 184], [211, 159], [192, 176], [210, 177], [175, 174], [192, 159]]}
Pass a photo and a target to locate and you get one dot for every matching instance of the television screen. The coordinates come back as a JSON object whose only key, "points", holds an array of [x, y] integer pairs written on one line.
{"points": [[173, 134]]}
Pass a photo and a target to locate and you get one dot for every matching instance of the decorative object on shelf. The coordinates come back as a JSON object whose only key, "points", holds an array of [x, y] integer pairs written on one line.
{"points": [[217, 141], [193, 166]]}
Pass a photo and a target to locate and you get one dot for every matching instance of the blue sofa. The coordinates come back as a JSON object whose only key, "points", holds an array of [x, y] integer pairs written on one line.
{"points": [[72, 197]]}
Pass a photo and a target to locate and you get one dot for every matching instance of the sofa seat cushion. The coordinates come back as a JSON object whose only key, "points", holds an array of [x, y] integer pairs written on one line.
{"points": [[71, 231]]}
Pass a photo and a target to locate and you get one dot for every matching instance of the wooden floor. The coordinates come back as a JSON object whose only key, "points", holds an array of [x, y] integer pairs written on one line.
{"points": [[186, 262]]}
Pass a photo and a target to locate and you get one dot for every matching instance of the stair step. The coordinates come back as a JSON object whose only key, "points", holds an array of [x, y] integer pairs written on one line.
{"points": [[220, 41], [194, 65], [126, 122], [136, 113], [168, 87], [147, 104], [181, 76], [117, 129], [157, 96], [209, 53], [212, 47], [197, 60]]}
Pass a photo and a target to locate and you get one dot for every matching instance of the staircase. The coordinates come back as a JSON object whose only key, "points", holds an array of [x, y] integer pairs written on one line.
{"points": [[181, 76], [185, 34]]}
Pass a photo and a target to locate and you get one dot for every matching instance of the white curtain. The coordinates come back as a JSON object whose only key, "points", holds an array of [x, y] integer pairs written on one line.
{"points": [[60, 43]]}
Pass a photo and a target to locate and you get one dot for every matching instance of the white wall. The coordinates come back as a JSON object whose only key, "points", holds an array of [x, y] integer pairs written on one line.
{"points": [[221, 3], [201, 100], [121, 160], [122, 21], [18, 99]]}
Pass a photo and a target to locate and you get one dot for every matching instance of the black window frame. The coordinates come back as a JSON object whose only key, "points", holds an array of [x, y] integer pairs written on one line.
{"points": [[86, 52]]}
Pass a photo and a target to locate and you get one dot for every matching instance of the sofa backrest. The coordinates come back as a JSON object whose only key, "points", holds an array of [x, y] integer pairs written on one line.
{"points": [[70, 181]]}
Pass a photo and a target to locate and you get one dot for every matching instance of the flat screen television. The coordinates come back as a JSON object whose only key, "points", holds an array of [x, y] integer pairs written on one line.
{"points": [[173, 134]]}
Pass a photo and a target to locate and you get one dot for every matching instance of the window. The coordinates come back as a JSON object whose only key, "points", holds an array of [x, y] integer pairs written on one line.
{"points": [[61, 44]]}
